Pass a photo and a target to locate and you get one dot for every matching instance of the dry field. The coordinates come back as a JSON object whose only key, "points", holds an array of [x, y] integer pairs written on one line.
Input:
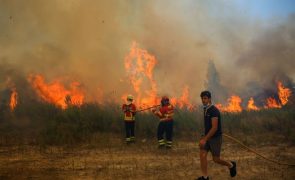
{"points": [[113, 159]]}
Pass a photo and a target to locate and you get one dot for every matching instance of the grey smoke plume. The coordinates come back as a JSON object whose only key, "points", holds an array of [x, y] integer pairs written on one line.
{"points": [[270, 56], [219, 93]]}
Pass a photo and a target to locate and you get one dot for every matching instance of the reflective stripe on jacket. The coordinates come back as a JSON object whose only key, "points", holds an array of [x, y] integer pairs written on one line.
{"points": [[129, 112]]}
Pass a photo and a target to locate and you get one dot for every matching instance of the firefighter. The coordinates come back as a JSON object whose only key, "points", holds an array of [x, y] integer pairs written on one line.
{"points": [[129, 110], [165, 113]]}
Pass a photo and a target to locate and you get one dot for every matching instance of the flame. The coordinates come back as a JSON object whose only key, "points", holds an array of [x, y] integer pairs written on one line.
{"points": [[272, 103], [139, 65], [284, 93], [56, 93], [173, 101], [251, 105], [13, 99], [183, 101], [234, 105]]}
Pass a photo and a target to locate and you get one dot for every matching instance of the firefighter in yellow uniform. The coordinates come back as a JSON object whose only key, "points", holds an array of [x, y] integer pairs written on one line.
{"points": [[165, 113], [129, 110]]}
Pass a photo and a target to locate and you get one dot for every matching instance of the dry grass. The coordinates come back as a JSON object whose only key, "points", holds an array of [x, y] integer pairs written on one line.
{"points": [[115, 160], [41, 141]]}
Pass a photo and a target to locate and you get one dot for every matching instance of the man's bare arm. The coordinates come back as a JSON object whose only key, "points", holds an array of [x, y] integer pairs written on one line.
{"points": [[213, 128]]}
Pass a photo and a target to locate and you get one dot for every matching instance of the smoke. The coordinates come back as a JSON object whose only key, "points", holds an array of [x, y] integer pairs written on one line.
{"points": [[11, 78], [87, 40], [270, 57], [76, 40], [219, 93]]}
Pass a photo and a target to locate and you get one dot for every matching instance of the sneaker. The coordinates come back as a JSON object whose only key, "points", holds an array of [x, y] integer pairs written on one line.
{"points": [[168, 144], [202, 178], [233, 170], [127, 140]]}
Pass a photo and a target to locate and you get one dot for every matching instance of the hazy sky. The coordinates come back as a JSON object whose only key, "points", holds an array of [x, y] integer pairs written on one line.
{"points": [[266, 8]]}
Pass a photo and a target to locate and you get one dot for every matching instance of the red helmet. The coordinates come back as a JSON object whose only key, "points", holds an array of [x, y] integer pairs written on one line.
{"points": [[164, 100]]}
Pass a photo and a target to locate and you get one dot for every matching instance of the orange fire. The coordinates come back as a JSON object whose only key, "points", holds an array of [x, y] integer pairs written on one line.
{"points": [[251, 105], [139, 65], [183, 101], [13, 99], [173, 101], [234, 105], [272, 103], [284, 93], [56, 93]]}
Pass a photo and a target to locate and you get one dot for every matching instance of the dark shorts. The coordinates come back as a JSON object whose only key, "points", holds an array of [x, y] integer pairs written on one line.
{"points": [[214, 146]]}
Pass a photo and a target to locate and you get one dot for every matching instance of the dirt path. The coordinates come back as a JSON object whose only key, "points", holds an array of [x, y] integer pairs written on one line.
{"points": [[137, 161]]}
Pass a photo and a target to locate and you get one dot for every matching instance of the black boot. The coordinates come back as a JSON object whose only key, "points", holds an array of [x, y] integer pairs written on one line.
{"points": [[233, 170], [202, 178]]}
